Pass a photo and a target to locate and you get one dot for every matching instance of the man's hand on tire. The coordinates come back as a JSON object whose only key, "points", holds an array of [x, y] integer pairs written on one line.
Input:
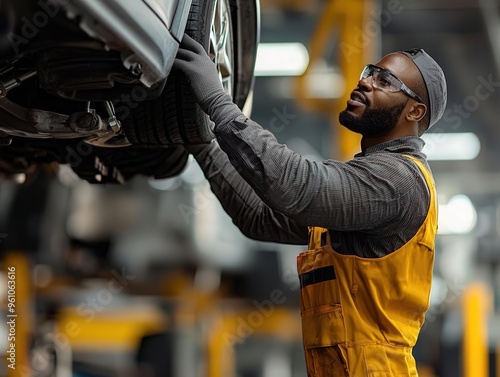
{"points": [[204, 81]]}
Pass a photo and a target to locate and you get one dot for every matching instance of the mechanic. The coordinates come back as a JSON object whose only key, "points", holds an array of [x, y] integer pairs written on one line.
{"points": [[365, 282]]}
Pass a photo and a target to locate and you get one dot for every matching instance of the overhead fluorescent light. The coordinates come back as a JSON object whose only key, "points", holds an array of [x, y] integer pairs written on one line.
{"points": [[451, 146], [458, 216], [325, 84], [319, 84], [281, 59]]}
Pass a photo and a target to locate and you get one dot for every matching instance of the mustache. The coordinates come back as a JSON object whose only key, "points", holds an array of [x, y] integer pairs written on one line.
{"points": [[360, 93]]}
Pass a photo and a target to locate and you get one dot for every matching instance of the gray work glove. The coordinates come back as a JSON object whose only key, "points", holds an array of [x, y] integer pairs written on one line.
{"points": [[204, 81]]}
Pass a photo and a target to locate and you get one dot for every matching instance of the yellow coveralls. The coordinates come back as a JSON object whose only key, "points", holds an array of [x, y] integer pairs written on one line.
{"points": [[361, 317]]}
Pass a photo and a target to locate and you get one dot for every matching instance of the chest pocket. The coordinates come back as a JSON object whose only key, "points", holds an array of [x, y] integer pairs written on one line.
{"points": [[321, 308]]}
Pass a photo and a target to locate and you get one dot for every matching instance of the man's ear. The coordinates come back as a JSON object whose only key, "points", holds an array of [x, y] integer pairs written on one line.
{"points": [[417, 112]]}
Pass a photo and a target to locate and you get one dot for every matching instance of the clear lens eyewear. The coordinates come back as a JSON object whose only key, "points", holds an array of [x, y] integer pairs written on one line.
{"points": [[385, 80]]}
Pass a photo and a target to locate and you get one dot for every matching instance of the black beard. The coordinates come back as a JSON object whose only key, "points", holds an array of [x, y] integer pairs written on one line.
{"points": [[373, 121]]}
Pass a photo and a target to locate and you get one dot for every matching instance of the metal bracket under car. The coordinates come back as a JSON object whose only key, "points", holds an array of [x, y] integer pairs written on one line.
{"points": [[41, 124], [35, 123]]}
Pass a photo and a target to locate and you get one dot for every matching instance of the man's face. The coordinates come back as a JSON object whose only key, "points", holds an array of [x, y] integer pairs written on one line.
{"points": [[371, 111]]}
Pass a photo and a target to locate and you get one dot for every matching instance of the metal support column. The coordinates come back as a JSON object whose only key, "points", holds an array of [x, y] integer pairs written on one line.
{"points": [[19, 314], [358, 37], [477, 303]]}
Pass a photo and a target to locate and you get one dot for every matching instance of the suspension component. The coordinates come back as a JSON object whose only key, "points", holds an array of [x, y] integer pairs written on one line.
{"points": [[113, 121], [13, 82]]}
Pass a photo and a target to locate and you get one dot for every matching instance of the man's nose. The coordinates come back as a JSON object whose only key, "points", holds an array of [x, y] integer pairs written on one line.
{"points": [[366, 83]]}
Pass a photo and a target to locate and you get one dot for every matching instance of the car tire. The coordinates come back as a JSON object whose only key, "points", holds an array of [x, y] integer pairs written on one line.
{"points": [[175, 117]]}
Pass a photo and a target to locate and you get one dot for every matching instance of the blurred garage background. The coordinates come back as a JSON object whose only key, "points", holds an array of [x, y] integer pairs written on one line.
{"points": [[152, 278]]}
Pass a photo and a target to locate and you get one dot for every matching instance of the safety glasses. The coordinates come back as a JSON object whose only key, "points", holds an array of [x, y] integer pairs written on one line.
{"points": [[385, 80]]}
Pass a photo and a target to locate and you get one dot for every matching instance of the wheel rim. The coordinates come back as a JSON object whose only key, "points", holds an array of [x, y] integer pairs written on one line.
{"points": [[221, 44]]}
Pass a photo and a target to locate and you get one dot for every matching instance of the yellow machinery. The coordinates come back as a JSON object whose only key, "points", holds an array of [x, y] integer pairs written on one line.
{"points": [[281, 324]]}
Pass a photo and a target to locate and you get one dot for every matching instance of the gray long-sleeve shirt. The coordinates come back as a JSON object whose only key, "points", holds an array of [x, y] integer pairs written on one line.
{"points": [[372, 204]]}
